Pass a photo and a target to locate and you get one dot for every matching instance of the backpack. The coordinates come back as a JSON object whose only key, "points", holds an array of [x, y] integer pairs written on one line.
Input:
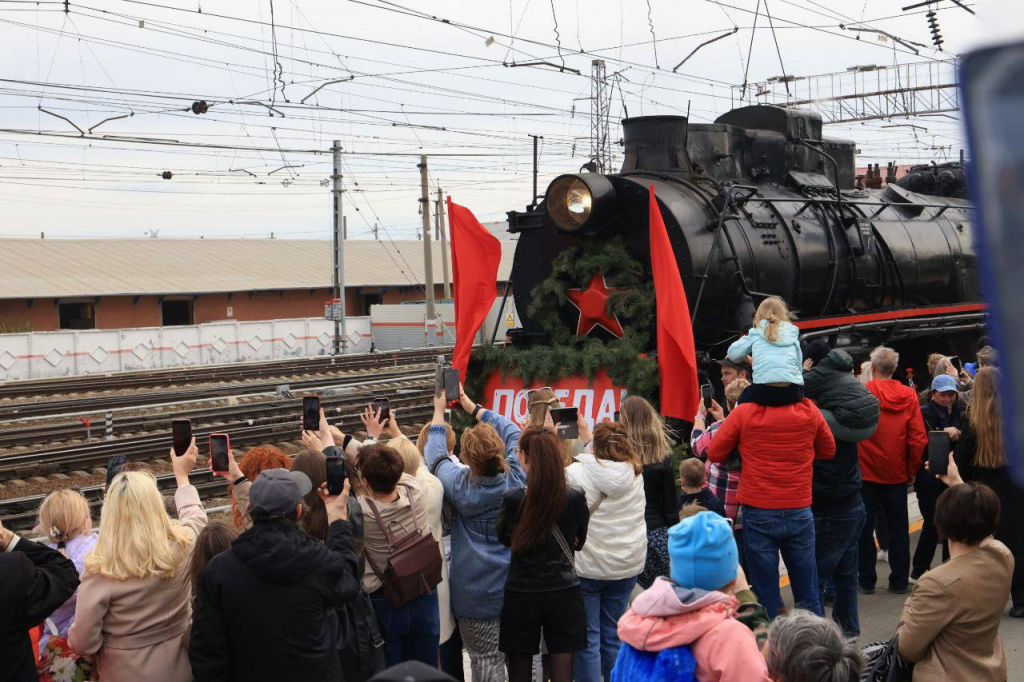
{"points": [[676, 664], [414, 562]]}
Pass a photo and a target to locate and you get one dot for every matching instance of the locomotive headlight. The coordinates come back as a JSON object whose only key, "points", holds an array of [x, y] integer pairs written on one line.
{"points": [[580, 202]]}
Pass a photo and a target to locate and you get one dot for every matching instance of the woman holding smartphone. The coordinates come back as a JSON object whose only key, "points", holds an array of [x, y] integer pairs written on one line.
{"points": [[981, 457], [134, 603], [544, 524]]}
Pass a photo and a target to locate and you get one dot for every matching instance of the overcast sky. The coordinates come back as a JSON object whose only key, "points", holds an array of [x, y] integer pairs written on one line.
{"points": [[410, 85]]}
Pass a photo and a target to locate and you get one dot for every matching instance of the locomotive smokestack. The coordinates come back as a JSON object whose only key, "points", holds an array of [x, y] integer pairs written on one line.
{"points": [[656, 143]]}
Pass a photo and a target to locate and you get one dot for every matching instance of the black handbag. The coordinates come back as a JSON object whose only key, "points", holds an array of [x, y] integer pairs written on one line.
{"points": [[883, 663]]}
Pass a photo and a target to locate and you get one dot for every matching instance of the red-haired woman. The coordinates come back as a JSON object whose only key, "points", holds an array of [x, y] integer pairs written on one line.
{"points": [[544, 524], [254, 462]]}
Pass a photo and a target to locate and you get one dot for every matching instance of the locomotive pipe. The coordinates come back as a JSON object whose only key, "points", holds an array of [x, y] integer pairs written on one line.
{"points": [[835, 179]]}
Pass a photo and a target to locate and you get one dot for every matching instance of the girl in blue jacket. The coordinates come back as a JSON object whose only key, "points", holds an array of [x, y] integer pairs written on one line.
{"points": [[774, 341]]}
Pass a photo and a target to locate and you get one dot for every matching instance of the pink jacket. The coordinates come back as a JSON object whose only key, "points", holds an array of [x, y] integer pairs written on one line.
{"points": [[667, 615]]}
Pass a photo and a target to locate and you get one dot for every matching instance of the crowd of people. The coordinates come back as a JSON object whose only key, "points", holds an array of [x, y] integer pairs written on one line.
{"points": [[543, 558]]}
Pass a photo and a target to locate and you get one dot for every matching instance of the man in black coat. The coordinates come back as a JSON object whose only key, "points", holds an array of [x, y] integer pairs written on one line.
{"points": [[267, 607], [852, 415], [34, 581]]}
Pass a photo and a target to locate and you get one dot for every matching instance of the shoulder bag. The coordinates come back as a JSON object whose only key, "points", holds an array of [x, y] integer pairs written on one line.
{"points": [[414, 562]]}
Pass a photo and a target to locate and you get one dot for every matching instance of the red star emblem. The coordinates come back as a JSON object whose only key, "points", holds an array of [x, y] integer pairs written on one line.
{"points": [[593, 305]]}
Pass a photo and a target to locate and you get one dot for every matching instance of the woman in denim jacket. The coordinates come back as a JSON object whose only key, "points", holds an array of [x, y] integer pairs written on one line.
{"points": [[479, 561]]}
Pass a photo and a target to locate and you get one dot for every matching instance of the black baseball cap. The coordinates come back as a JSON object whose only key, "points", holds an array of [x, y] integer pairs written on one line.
{"points": [[726, 362], [277, 492]]}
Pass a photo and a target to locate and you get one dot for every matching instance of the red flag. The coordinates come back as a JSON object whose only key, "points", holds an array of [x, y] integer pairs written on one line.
{"points": [[476, 254], [677, 359]]}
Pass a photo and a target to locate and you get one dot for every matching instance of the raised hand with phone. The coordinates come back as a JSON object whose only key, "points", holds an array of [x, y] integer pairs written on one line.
{"points": [[184, 464]]}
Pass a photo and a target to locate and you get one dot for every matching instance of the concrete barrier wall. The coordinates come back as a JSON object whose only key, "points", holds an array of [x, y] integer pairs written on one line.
{"points": [[38, 355]]}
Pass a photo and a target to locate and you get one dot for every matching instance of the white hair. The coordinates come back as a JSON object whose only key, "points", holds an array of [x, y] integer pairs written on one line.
{"points": [[803, 647], [884, 361]]}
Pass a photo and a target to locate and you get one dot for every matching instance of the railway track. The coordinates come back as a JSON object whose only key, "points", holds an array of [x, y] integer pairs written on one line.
{"points": [[14, 436], [214, 373], [272, 420], [20, 513]]}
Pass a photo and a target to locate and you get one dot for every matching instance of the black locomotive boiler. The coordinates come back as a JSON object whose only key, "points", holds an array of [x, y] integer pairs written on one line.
{"points": [[758, 203]]}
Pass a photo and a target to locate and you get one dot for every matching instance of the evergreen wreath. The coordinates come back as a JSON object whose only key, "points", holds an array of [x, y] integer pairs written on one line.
{"points": [[626, 360]]}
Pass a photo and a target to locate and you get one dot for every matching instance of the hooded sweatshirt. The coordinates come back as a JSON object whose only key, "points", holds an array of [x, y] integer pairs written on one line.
{"points": [[775, 361], [266, 608], [893, 453], [668, 616], [617, 535]]}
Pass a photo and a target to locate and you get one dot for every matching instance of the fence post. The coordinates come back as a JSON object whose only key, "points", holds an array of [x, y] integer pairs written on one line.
{"points": [[108, 422]]}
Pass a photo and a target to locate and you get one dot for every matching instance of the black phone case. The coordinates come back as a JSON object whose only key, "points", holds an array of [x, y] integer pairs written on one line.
{"points": [[310, 421], [336, 474]]}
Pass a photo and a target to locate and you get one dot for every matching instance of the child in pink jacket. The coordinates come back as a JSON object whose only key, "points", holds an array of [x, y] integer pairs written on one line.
{"points": [[701, 623]]}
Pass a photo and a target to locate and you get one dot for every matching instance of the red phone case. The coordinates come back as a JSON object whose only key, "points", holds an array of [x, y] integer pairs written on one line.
{"points": [[227, 439]]}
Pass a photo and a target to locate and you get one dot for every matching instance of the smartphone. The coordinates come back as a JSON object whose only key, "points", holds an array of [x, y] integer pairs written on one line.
{"points": [[707, 395], [382, 405], [336, 475], [956, 362], [115, 465], [565, 422], [938, 452], [220, 444], [451, 384], [181, 434], [447, 416], [311, 413]]}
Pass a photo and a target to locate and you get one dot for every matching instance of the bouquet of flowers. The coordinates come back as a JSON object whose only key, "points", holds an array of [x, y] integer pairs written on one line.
{"points": [[58, 663]]}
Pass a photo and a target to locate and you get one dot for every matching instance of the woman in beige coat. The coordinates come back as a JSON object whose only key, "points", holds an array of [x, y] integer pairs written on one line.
{"points": [[134, 602], [950, 623]]}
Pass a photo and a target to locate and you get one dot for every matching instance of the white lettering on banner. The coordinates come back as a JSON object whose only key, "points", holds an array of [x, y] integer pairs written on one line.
{"points": [[521, 408], [607, 409], [502, 402], [595, 404]]}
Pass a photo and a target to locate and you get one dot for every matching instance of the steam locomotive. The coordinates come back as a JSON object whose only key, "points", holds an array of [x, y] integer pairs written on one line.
{"points": [[758, 203]]}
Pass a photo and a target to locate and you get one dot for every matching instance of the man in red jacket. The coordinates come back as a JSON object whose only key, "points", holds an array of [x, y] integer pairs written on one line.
{"points": [[778, 446], [888, 460]]}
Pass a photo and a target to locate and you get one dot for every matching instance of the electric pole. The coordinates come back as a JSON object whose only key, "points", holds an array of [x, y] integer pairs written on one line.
{"points": [[428, 260], [533, 199], [340, 331], [444, 245]]}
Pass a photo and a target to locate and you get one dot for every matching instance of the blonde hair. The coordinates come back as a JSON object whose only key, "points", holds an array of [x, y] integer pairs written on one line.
{"points": [[137, 539], [612, 444], [421, 441], [986, 416], [411, 459], [735, 389], [933, 360], [483, 451], [540, 404], [645, 430], [692, 473], [775, 311], [865, 372], [63, 516]]}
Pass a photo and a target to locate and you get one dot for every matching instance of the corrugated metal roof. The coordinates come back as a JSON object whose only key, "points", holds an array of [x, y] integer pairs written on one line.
{"points": [[51, 268]]}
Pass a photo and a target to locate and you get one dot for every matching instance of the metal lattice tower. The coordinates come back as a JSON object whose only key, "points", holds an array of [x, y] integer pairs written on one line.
{"points": [[865, 93], [600, 120]]}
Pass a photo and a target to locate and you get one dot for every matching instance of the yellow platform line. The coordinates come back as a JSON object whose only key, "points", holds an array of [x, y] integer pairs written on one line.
{"points": [[914, 527]]}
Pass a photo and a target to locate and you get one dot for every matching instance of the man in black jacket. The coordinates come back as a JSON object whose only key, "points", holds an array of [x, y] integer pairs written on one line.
{"points": [[852, 414], [267, 607], [34, 581]]}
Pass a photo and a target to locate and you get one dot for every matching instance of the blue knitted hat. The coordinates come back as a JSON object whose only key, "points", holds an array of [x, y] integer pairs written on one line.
{"points": [[702, 552]]}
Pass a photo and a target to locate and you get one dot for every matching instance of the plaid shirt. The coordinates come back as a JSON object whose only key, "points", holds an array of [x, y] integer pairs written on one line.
{"points": [[723, 484]]}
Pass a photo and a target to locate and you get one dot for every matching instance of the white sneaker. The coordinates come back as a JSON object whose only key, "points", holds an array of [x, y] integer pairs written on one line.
{"points": [[883, 556]]}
